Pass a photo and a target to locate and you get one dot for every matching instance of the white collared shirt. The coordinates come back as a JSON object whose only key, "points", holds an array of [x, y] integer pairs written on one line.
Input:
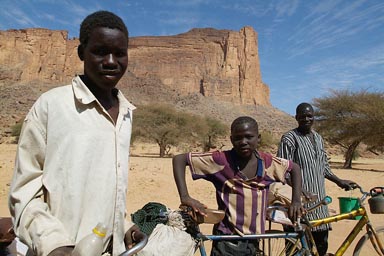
{"points": [[71, 170]]}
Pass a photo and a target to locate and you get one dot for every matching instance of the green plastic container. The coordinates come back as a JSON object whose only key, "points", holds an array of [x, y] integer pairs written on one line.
{"points": [[348, 204]]}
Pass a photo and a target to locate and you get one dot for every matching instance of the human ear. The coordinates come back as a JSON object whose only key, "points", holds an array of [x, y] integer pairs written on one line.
{"points": [[80, 52]]}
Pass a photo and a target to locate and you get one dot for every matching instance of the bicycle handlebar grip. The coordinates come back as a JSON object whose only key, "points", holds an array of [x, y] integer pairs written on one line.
{"points": [[327, 200]]}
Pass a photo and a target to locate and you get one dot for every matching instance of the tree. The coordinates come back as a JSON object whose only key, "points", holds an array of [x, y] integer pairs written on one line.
{"points": [[159, 123], [350, 118], [167, 127], [213, 130]]}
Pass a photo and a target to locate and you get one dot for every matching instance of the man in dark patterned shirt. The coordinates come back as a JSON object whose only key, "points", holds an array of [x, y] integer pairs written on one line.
{"points": [[305, 147]]}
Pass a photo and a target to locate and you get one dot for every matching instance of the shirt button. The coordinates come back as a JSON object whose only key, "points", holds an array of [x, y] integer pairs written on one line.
{"points": [[118, 165]]}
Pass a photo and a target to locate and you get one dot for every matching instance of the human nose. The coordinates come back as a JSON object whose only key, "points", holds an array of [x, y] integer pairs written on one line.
{"points": [[110, 59], [243, 141]]}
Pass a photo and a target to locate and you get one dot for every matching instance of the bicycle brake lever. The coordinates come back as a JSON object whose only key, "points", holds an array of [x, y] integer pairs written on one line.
{"points": [[298, 226]]}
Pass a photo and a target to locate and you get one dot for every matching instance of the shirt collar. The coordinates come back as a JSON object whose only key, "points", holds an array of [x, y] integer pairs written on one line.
{"points": [[85, 96]]}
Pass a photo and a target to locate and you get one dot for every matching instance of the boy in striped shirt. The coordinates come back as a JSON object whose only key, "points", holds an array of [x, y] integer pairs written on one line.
{"points": [[241, 177]]}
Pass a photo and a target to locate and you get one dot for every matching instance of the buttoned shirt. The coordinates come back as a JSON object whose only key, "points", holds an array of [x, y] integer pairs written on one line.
{"points": [[71, 170]]}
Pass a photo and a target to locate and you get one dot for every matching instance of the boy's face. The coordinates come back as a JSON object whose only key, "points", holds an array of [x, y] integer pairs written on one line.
{"points": [[244, 139], [105, 57]]}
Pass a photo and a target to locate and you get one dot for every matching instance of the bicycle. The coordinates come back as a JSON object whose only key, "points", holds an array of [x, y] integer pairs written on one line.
{"points": [[273, 242], [372, 234], [300, 242]]}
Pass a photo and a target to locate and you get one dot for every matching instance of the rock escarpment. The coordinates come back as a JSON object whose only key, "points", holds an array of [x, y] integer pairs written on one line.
{"points": [[204, 71], [221, 64], [42, 55]]}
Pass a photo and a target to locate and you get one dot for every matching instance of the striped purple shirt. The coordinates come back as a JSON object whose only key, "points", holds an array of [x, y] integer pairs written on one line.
{"points": [[244, 200]]}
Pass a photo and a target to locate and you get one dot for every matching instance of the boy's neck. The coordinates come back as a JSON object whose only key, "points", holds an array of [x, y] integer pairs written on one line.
{"points": [[248, 166]]}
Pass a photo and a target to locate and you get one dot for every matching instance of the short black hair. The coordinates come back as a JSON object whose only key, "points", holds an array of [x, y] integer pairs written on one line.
{"points": [[302, 106], [244, 120], [100, 19]]}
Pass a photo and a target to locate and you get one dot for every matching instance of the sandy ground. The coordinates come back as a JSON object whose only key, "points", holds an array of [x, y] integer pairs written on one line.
{"points": [[151, 180]]}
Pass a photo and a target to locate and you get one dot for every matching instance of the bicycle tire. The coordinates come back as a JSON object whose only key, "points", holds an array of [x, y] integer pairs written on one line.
{"points": [[281, 246], [364, 248]]}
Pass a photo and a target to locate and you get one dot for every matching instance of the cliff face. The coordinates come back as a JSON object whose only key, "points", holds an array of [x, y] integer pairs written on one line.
{"points": [[37, 55], [217, 63], [222, 64]]}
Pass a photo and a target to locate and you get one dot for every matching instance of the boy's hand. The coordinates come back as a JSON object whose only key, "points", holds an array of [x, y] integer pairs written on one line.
{"points": [[195, 204], [295, 211], [7, 235], [132, 236]]}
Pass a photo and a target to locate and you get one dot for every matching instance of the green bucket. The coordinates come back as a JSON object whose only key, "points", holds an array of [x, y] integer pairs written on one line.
{"points": [[348, 204]]}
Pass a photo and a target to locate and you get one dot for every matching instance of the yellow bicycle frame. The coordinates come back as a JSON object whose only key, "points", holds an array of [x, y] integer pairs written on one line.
{"points": [[364, 221]]}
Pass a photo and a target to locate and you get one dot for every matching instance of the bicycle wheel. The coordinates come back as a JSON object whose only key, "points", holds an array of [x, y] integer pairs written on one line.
{"points": [[281, 246], [364, 248]]}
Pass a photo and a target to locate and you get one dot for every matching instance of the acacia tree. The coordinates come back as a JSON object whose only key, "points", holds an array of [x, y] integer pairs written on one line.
{"points": [[167, 127], [349, 118], [212, 131]]}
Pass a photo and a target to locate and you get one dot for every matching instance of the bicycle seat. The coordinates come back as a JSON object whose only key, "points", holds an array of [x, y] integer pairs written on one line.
{"points": [[214, 216]]}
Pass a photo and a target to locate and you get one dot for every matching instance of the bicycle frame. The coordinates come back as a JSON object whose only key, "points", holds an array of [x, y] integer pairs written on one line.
{"points": [[364, 221], [202, 238]]}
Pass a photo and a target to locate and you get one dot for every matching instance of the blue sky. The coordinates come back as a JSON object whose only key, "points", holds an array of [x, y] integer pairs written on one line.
{"points": [[306, 47]]}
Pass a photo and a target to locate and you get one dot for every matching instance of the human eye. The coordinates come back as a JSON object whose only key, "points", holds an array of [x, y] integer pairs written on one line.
{"points": [[249, 137], [99, 51], [121, 53], [237, 138], [302, 117]]}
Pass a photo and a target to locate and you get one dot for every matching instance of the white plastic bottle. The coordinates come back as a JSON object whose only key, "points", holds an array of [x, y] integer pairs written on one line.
{"points": [[92, 244]]}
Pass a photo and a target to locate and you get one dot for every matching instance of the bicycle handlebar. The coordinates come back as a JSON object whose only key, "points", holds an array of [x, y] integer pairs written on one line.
{"points": [[137, 247], [364, 193], [326, 200]]}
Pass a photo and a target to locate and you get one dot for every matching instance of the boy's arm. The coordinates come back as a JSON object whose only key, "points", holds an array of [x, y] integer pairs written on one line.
{"points": [[296, 208], [180, 163], [33, 222]]}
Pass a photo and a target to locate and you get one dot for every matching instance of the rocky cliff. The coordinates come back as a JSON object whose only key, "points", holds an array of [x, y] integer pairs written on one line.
{"points": [[37, 55], [219, 64]]}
